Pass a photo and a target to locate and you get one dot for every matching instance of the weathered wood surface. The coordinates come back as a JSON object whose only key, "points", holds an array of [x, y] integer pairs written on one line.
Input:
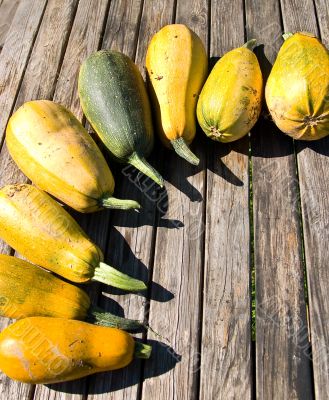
{"points": [[313, 164], [282, 364], [7, 12], [178, 248], [193, 241], [226, 331]]}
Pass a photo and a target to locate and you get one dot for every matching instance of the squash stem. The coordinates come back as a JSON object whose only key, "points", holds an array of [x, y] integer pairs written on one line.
{"points": [[142, 165], [119, 204], [251, 44], [142, 350], [287, 35], [110, 276], [182, 149], [101, 317]]}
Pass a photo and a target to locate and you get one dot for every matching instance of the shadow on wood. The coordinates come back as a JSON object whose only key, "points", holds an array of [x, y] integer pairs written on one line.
{"points": [[319, 146], [125, 260], [163, 357]]}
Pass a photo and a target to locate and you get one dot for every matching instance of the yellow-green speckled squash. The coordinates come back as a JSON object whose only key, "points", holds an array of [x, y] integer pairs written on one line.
{"points": [[297, 90], [231, 99]]}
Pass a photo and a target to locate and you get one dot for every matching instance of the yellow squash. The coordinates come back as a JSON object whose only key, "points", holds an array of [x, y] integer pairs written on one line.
{"points": [[29, 291], [230, 101], [176, 64], [42, 231], [56, 152], [50, 350], [297, 90]]}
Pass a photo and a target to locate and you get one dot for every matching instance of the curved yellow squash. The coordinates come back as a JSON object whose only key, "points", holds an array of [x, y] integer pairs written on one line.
{"points": [[40, 229], [176, 64], [230, 101], [30, 291], [49, 350], [56, 152], [297, 89], [27, 291]]}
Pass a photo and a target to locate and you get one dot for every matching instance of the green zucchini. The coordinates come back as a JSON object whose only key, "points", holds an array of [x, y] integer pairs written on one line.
{"points": [[114, 99]]}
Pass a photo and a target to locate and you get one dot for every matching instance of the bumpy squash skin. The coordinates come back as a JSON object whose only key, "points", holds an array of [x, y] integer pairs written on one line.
{"points": [[56, 152], [114, 99], [230, 101], [297, 89], [42, 231], [28, 291], [176, 64], [50, 350]]}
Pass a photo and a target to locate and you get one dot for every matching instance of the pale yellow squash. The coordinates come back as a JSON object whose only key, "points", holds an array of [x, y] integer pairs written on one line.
{"points": [[231, 99], [176, 64], [297, 90], [55, 151]]}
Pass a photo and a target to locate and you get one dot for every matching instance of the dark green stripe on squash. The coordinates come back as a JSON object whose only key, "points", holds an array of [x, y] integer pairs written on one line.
{"points": [[114, 99]]}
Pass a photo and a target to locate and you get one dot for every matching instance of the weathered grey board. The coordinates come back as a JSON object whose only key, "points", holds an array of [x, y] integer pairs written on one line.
{"points": [[15, 54], [282, 365], [85, 37], [226, 331], [128, 231], [193, 239], [38, 81], [7, 12], [178, 260], [313, 167]]}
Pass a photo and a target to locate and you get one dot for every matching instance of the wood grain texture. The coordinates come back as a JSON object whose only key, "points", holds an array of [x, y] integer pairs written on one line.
{"points": [[313, 164], [282, 364], [199, 299], [39, 79], [178, 261], [40, 75], [130, 233], [15, 54], [84, 39], [322, 12], [7, 12], [226, 332]]}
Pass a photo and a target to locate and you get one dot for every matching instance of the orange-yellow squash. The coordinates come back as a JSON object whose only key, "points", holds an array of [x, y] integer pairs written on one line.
{"points": [[50, 350], [29, 291], [56, 152], [230, 101], [40, 229], [176, 64], [297, 90]]}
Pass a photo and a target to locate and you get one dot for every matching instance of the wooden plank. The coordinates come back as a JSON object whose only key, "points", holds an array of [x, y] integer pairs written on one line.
{"points": [[131, 234], [173, 371], [84, 38], [282, 365], [15, 54], [7, 12], [38, 81], [322, 12], [313, 166], [226, 331]]}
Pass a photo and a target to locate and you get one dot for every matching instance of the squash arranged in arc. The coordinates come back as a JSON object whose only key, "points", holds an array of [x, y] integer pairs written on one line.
{"points": [[297, 89], [58, 155], [114, 99], [230, 101], [176, 64], [50, 350], [29, 291], [40, 229]]}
